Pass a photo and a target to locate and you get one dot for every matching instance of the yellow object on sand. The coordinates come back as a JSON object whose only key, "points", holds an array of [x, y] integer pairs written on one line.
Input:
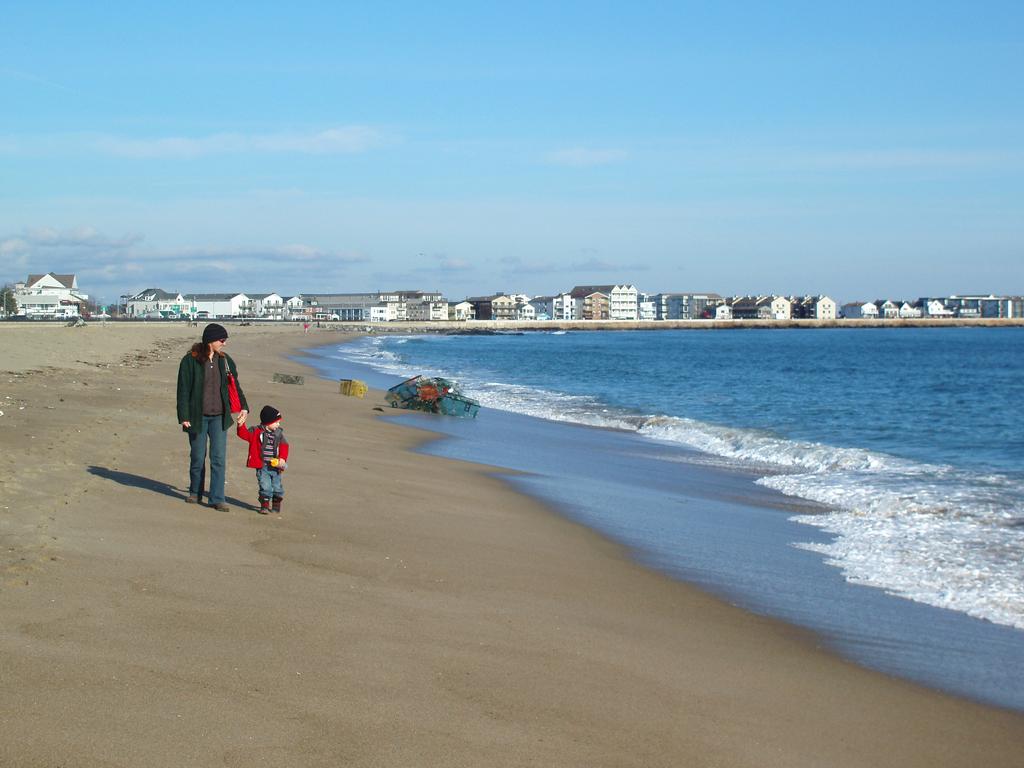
{"points": [[353, 387]]}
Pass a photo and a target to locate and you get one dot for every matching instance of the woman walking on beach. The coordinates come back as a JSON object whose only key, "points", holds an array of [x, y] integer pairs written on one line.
{"points": [[207, 389]]}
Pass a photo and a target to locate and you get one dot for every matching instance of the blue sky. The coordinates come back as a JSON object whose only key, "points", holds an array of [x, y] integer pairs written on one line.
{"points": [[862, 152]]}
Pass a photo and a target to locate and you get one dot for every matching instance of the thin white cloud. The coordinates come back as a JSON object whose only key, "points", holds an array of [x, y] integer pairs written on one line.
{"points": [[352, 139], [13, 246], [909, 159], [346, 140], [454, 265], [79, 237], [17, 74], [303, 252], [603, 265], [584, 157], [118, 271], [514, 265], [443, 264], [287, 253], [46, 241], [587, 262]]}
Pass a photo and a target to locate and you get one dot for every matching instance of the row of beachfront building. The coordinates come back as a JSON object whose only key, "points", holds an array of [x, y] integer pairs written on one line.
{"points": [[589, 302], [58, 295], [583, 302]]}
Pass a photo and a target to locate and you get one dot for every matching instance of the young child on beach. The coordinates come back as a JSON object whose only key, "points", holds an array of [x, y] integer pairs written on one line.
{"points": [[268, 455]]}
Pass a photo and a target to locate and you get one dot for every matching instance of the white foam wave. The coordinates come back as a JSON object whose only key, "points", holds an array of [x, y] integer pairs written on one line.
{"points": [[930, 533], [759, 447], [945, 538], [370, 351]]}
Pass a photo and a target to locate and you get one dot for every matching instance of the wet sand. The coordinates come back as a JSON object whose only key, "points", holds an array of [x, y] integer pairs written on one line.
{"points": [[403, 610]]}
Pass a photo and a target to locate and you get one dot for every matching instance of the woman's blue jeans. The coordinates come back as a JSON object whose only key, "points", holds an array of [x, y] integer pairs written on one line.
{"points": [[212, 429]]}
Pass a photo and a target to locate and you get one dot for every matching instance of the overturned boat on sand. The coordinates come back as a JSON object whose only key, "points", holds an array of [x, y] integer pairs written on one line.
{"points": [[434, 395]]}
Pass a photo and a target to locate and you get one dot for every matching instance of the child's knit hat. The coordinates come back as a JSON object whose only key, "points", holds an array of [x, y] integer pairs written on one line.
{"points": [[269, 414]]}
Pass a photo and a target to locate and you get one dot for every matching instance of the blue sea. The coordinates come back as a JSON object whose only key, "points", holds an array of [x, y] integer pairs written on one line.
{"points": [[867, 484]]}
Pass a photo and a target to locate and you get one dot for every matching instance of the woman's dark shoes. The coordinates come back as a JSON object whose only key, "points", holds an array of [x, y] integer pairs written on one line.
{"points": [[221, 507], [190, 499]]}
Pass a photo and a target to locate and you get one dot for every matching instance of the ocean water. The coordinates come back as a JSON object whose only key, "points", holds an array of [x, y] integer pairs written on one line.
{"points": [[867, 483]]}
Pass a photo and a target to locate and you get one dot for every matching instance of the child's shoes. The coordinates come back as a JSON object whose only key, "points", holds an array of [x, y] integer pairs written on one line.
{"points": [[264, 505]]}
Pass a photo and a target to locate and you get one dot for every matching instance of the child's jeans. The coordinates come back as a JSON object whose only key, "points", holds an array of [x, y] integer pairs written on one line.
{"points": [[270, 482]]}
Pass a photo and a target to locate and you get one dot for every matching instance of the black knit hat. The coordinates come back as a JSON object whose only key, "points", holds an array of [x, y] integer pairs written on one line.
{"points": [[269, 414], [214, 332]]}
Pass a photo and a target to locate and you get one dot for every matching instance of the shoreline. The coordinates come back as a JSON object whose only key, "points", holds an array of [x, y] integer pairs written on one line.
{"points": [[404, 610]]}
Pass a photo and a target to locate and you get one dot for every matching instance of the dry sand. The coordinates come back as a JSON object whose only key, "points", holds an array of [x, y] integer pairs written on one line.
{"points": [[404, 610]]}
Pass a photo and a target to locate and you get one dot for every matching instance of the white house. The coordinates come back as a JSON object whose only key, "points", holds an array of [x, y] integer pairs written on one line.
{"points": [[646, 307], [723, 312], [856, 310], [782, 308], [938, 308], [825, 309], [438, 309], [382, 313], [269, 306], [50, 295], [63, 286], [155, 303], [461, 311], [622, 303], [563, 307], [908, 310], [294, 307], [525, 311], [888, 309], [869, 310], [217, 305]]}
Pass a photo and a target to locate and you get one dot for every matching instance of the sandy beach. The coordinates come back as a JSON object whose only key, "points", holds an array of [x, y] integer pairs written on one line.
{"points": [[404, 610]]}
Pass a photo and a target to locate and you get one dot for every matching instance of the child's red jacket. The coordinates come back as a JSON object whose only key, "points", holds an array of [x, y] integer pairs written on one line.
{"points": [[254, 437]]}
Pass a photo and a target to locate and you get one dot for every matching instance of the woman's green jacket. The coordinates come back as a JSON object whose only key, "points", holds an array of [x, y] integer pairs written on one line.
{"points": [[191, 375]]}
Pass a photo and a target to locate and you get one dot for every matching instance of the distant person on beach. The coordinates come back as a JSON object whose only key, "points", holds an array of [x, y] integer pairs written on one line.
{"points": [[208, 391], [268, 455]]}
